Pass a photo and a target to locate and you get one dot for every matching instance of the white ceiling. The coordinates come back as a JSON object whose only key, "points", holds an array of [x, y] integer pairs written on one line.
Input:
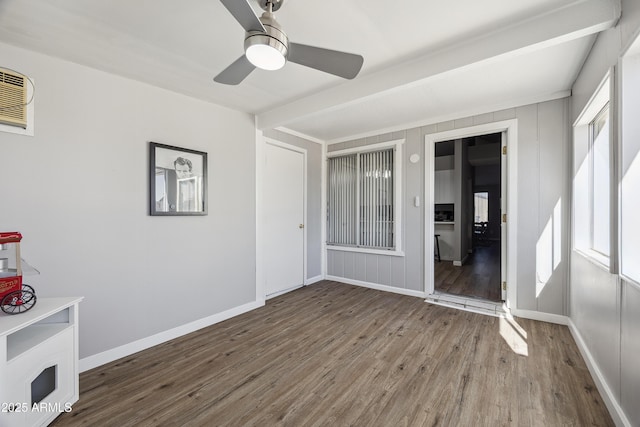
{"points": [[424, 61]]}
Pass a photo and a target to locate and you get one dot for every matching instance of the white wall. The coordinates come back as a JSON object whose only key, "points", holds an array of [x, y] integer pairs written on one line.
{"points": [[630, 233], [78, 191], [605, 308]]}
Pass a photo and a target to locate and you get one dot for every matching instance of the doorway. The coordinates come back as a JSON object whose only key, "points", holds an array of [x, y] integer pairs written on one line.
{"points": [[476, 262], [468, 264], [284, 217]]}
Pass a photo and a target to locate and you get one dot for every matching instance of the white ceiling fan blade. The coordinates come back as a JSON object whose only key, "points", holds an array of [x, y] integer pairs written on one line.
{"points": [[342, 64], [236, 72], [244, 14]]}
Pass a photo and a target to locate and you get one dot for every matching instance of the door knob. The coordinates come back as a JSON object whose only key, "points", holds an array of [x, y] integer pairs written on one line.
{"points": [[300, 225]]}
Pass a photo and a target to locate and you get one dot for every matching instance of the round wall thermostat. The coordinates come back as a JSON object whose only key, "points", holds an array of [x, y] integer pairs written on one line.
{"points": [[414, 158]]}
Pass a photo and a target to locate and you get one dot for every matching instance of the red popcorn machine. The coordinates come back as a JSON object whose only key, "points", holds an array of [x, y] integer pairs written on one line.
{"points": [[15, 296]]}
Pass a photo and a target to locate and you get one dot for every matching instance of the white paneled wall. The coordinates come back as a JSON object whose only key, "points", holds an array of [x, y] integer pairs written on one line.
{"points": [[543, 144], [605, 308]]}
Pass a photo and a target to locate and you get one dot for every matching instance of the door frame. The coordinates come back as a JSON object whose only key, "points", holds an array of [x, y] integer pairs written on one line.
{"points": [[261, 157], [509, 130]]}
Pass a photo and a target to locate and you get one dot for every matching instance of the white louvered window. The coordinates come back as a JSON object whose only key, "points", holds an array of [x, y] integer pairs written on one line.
{"points": [[361, 200], [343, 193]]}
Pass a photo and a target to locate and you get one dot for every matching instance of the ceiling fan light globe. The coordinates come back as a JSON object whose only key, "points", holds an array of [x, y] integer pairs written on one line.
{"points": [[265, 57]]}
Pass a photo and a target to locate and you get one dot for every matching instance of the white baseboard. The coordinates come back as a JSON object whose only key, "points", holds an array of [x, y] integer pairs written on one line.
{"points": [[307, 282], [461, 262], [313, 280], [378, 287], [543, 317], [285, 291], [615, 410], [100, 359]]}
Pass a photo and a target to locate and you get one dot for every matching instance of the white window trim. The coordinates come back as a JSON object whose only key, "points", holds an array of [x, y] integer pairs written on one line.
{"points": [[604, 93], [397, 202]]}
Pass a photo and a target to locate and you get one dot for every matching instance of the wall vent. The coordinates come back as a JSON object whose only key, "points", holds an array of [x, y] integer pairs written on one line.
{"points": [[13, 99]]}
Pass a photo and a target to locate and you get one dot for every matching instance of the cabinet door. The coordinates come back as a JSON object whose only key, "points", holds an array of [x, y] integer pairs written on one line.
{"points": [[57, 352], [447, 186], [443, 186]]}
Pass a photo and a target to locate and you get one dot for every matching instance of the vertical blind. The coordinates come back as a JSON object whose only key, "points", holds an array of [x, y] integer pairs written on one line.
{"points": [[342, 200], [360, 200]]}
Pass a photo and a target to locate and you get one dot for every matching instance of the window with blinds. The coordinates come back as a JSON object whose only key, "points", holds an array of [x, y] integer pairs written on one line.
{"points": [[361, 200]]}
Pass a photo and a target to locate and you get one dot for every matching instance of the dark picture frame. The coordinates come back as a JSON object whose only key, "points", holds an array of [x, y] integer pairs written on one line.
{"points": [[177, 181]]}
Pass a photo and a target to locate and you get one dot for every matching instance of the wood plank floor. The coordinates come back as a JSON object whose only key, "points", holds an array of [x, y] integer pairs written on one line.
{"points": [[334, 354], [479, 277]]}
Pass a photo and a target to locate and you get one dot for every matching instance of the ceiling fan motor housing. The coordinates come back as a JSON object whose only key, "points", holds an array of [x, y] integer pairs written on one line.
{"points": [[273, 37], [267, 47]]}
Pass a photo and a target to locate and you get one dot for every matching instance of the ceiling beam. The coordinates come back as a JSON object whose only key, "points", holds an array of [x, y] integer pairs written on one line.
{"points": [[578, 19]]}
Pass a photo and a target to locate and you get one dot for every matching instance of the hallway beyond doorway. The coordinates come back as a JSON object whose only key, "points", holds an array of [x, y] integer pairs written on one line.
{"points": [[479, 277]]}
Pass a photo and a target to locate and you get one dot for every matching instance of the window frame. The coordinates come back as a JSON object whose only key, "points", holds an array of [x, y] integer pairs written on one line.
{"points": [[475, 206], [602, 99], [629, 147], [396, 145], [602, 256]]}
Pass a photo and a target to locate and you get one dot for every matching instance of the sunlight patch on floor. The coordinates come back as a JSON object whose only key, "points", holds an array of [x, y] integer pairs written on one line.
{"points": [[514, 336]]}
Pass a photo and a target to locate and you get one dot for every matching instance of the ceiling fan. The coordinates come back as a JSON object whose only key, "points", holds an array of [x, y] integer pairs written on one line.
{"points": [[267, 47]]}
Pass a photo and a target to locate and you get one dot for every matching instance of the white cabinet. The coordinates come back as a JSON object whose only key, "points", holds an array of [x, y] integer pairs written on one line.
{"points": [[444, 190], [39, 362]]}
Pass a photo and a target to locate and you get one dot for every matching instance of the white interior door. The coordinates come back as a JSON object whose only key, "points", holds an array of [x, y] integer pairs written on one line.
{"points": [[503, 223], [284, 188]]}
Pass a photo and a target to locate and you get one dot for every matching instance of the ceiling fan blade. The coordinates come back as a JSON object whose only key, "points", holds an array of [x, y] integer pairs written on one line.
{"points": [[342, 64], [244, 14], [236, 72]]}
